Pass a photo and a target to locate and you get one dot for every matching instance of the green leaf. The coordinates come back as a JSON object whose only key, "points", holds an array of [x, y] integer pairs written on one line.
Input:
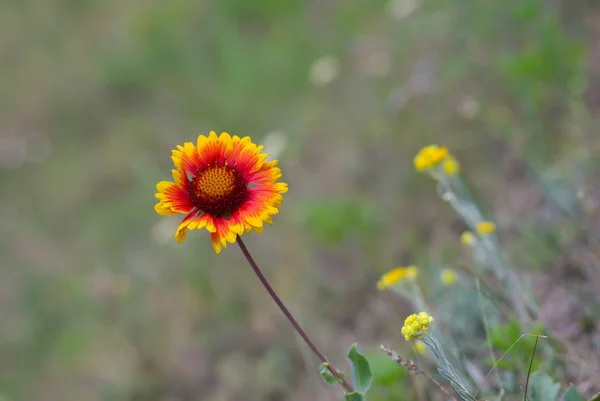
{"points": [[354, 397], [361, 371], [327, 376], [595, 397], [542, 387], [571, 394]]}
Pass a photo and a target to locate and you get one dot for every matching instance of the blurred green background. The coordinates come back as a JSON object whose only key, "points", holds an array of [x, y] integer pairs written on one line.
{"points": [[98, 302]]}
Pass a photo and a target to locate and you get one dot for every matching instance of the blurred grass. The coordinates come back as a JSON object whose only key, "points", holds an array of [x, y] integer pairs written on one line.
{"points": [[98, 303]]}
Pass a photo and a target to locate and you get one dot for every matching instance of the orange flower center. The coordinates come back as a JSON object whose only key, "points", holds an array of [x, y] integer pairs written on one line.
{"points": [[218, 190]]}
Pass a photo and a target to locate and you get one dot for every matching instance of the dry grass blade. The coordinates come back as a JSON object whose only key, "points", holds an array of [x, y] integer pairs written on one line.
{"points": [[414, 369]]}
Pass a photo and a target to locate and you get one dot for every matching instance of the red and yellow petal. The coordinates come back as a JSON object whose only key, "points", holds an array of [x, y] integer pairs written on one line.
{"points": [[262, 203], [179, 177], [164, 209], [203, 140], [214, 148], [248, 162], [245, 155], [222, 235], [172, 198], [238, 225], [265, 176], [199, 222], [189, 150], [182, 229]]}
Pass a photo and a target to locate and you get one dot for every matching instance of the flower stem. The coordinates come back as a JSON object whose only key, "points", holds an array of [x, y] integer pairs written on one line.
{"points": [[347, 387]]}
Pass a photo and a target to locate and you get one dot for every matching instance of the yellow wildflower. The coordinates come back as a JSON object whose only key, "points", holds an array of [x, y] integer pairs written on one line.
{"points": [[486, 227], [416, 325], [451, 165], [448, 277], [429, 157], [467, 238], [420, 347], [397, 275]]}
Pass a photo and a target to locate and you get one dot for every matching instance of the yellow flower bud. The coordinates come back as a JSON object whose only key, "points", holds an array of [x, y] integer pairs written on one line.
{"points": [[429, 157], [448, 277], [467, 238], [451, 165], [486, 227], [420, 347]]}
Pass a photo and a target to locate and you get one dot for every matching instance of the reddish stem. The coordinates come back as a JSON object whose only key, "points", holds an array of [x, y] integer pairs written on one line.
{"points": [[347, 387]]}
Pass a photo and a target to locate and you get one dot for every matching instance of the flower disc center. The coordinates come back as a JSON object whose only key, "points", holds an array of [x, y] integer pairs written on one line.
{"points": [[219, 190]]}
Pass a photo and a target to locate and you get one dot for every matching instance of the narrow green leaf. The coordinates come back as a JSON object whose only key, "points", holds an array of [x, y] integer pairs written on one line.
{"points": [[361, 371], [542, 387], [595, 397], [326, 374], [354, 397], [571, 394]]}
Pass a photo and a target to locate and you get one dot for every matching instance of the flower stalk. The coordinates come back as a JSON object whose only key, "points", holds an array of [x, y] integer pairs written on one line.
{"points": [[417, 326], [446, 369], [347, 387]]}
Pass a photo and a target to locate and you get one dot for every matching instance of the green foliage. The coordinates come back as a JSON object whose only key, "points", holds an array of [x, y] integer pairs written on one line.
{"points": [[327, 376], [354, 397], [334, 220], [362, 376], [546, 64], [526, 10], [542, 387], [361, 371], [504, 338]]}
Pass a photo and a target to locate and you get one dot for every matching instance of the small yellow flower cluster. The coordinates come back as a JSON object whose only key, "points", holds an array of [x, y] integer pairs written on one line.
{"points": [[429, 157], [415, 326], [448, 277], [432, 155], [467, 238], [486, 227], [483, 228], [397, 275], [420, 347], [451, 165]]}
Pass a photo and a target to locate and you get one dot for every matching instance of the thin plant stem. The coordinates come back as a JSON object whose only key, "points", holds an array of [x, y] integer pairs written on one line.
{"points": [[421, 304], [530, 366], [347, 387]]}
